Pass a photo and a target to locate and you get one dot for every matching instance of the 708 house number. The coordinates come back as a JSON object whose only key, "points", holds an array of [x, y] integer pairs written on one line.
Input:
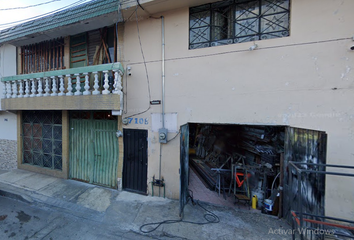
{"points": [[141, 121]]}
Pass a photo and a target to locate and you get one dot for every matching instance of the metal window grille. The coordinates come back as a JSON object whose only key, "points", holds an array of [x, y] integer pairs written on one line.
{"points": [[43, 56], [236, 21], [42, 138]]}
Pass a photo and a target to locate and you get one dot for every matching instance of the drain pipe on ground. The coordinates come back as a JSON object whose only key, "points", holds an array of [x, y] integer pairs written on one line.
{"points": [[162, 131]]}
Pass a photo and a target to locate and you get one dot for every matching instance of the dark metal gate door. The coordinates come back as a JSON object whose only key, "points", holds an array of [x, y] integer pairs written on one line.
{"points": [[93, 148], [307, 146], [184, 168], [135, 160]]}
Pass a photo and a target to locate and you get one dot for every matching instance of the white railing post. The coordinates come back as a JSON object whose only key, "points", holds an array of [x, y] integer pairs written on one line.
{"points": [[33, 89], [95, 86], [46, 89], [27, 90], [78, 85], [106, 85], [4, 89], [70, 86], [117, 82], [54, 86], [87, 85], [39, 87], [14, 89], [62, 89], [21, 92], [8, 91]]}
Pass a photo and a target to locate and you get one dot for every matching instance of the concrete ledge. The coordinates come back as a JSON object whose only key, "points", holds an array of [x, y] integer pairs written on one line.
{"points": [[88, 102], [49, 172]]}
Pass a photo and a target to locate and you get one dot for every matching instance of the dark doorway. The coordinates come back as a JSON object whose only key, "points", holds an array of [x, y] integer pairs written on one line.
{"points": [[217, 157], [135, 160]]}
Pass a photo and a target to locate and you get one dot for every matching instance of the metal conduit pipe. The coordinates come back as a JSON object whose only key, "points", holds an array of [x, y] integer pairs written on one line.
{"points": [[163, 87], [163, 70]]}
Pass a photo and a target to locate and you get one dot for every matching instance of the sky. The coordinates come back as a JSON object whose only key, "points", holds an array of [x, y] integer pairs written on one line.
{"points": [[7, 16]]}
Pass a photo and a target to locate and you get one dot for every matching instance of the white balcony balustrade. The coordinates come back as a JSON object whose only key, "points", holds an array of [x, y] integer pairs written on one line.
{"points": [[93, 80]]}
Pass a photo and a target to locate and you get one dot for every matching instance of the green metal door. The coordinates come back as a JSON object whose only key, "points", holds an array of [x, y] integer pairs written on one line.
{"points": [[78, 50], [78, 56], [94, 148]]}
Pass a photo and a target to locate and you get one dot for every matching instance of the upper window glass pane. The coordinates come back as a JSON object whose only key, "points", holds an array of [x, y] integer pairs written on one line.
{"points": [[199, 23], [237, 21]]}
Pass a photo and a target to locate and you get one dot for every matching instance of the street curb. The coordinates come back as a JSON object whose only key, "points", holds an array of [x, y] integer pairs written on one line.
{"points": [[31, 197], [16, 196]]}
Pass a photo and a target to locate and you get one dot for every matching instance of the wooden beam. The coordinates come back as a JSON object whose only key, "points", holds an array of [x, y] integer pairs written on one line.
{"points": [[80, 60], [80, 50], [104, 44], [115, 42], [80, 55], [79, 44]]}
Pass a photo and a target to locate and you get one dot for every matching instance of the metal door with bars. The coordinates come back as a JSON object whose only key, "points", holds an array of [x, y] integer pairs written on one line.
{"points": [[305, 146], [94, 148], [184, 168], [135, 160], [42, 139]]}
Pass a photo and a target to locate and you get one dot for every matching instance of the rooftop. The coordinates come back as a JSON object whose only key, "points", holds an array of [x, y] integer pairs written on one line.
{"points": [[105, 12]]}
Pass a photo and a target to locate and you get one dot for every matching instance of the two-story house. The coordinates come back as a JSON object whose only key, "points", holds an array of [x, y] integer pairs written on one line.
{"points": [[270, 80], [66, 89], [230, 85]]}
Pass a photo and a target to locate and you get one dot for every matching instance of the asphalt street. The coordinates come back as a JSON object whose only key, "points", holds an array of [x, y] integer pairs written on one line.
{"points": [[22, 221], [43, 207]]}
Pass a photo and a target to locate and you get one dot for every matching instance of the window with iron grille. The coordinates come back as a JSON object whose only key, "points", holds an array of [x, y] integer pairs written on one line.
{"points": [[237, 21], [43, 56], [42, 138]]}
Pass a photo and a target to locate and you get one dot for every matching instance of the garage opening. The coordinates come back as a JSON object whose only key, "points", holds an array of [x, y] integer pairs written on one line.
{"points": [[245, 166]]}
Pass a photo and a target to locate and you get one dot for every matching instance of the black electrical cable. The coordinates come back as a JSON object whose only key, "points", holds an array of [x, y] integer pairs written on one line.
{"points": [[174, 136], [75, 4], [29, 6], [140, 5], [210, 217], [146, 70]]}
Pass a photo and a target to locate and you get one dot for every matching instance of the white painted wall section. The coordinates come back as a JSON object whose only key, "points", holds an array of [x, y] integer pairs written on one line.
{"points": [[8, 121]]}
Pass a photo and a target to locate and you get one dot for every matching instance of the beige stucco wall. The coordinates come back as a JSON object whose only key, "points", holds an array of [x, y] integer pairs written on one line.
{"points": [[305, 80]]}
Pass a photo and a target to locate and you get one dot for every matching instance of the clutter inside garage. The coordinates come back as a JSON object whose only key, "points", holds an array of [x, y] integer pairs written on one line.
{"points": [[237, 165]]}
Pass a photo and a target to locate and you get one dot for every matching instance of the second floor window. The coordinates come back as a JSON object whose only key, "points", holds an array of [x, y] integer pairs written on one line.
{"points": [[43, 56], [237, 21]]}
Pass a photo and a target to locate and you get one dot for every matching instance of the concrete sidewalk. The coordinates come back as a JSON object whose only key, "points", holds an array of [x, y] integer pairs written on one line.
{"points": [[128, 211]]}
